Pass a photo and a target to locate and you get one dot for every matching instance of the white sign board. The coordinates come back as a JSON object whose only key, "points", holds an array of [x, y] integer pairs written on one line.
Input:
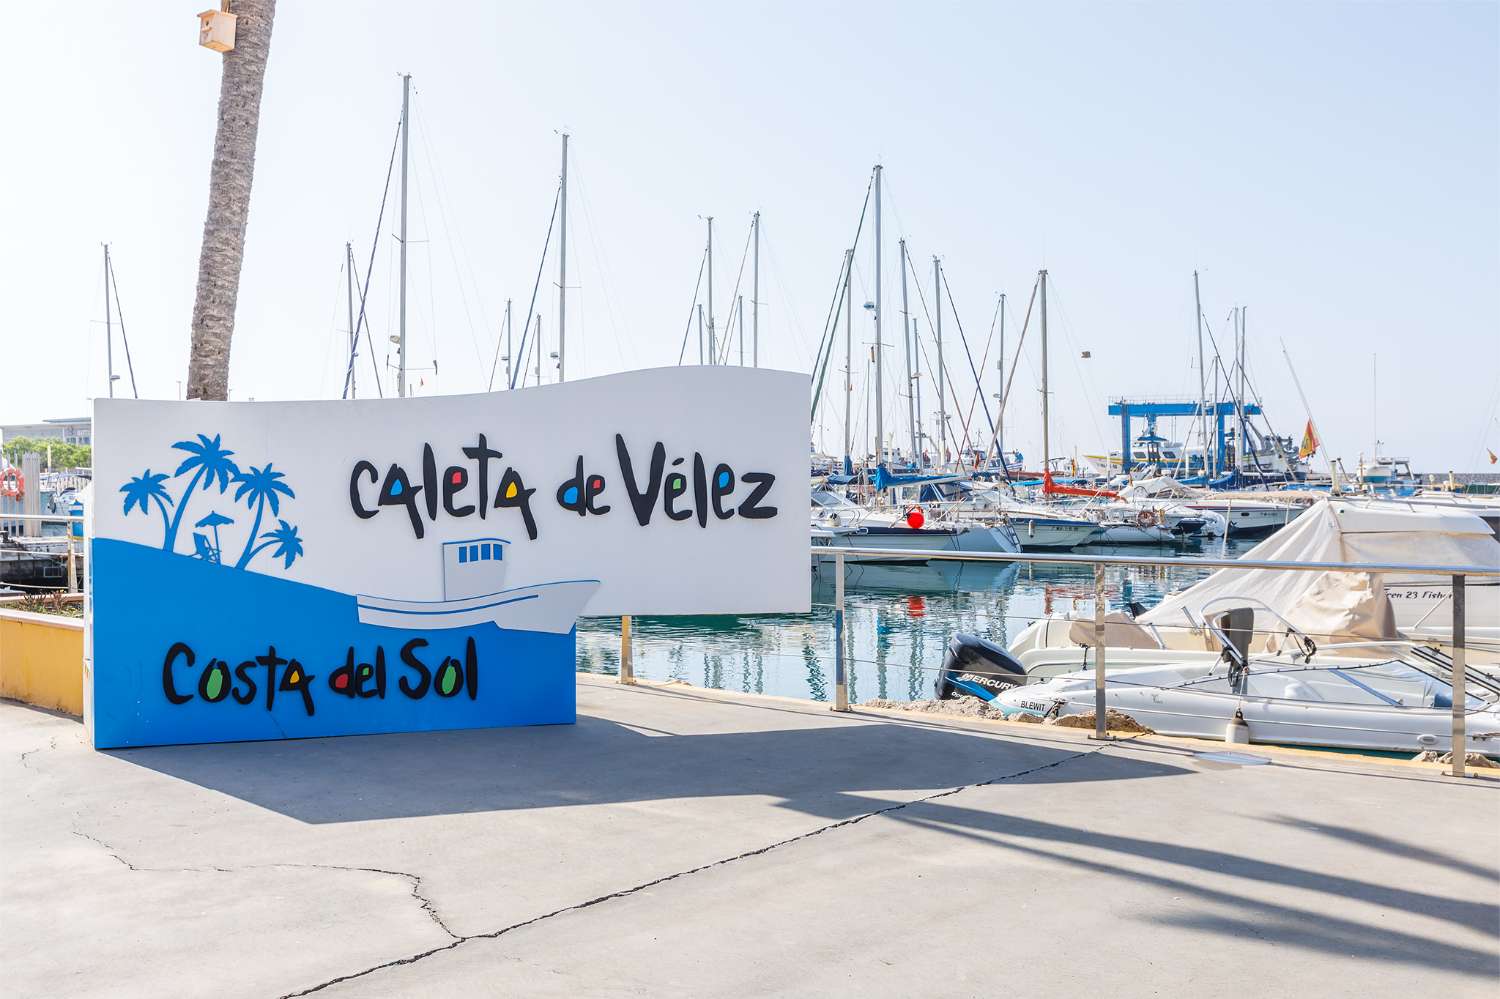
{"points": [[667, 491]]}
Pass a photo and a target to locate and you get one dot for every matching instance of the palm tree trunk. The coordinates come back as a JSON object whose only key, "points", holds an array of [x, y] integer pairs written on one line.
{"points": [[229, 200]]}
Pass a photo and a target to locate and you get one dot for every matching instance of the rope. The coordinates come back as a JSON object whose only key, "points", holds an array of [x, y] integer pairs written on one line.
{"points": [[369, 269], [526, 330]]}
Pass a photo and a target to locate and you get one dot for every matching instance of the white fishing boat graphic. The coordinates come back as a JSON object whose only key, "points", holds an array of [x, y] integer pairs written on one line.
{"points": [[473, 572]]}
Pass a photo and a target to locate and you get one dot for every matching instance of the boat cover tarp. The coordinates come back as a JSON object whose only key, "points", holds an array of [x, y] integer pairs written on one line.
{"points": [[1336, 606]]}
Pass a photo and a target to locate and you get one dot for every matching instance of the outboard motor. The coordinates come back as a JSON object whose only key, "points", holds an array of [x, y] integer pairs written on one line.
{"points": [[978, 668]]}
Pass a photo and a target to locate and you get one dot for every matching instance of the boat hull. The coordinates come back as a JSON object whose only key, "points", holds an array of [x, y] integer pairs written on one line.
{"points": [[552, 608]]}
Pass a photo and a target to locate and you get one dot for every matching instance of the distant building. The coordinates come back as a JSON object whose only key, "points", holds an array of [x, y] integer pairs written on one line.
{"points": [[77, 430]]}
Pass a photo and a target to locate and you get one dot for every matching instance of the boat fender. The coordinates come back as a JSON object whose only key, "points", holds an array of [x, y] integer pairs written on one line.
{"points": [[1236, 731], [915, 518], [12, 483]]}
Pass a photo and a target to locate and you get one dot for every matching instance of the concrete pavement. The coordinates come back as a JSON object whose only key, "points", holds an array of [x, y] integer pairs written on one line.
{"points": [[683, 842]]}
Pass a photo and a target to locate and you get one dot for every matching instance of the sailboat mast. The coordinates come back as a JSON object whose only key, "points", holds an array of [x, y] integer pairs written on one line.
{"points": [[755, 298], [349, 293], [405, 135], [509, 347], [879, 348], [916, 381], [1000, 399], [1046, 428], [1202, 376], [713, 350], [109, 328], [538, 339], [741, 321], [937, 300], [911, 416], [562, 267], [700, 332], [848, 355]]}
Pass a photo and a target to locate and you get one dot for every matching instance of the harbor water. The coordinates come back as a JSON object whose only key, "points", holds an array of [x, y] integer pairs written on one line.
{"points": [[899, 620]]}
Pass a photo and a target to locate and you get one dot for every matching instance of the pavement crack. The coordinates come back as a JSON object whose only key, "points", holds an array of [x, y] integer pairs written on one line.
{"points": [[415, 879], [635, 889]]}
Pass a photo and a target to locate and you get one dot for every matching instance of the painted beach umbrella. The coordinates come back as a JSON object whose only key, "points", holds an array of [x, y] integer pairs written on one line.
{"points": [[215, 520]]}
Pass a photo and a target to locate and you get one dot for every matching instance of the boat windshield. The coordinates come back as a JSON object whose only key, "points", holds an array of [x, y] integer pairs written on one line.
{"points": [[832, 500]]}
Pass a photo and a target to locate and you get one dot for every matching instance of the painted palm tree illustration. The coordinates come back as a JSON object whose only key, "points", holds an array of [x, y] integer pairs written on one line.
{"points": [[287, 544], [145, 489], [259, 487], [210, 463]]}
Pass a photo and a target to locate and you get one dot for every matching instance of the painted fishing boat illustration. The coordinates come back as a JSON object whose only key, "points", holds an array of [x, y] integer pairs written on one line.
{"points": [[473, 574]]}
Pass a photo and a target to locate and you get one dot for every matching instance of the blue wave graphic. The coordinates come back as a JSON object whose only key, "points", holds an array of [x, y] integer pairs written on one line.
{"points": [[149, 603]]}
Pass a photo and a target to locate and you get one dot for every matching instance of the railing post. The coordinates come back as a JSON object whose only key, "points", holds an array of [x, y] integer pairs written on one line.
{"points": [[1460, 669], [1100, 712], [72, 563], [627, 664], [840, 679]]}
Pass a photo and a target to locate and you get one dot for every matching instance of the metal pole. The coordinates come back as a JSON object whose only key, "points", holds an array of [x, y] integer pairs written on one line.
{"points": [[1202, 374], [840, 679], [755, 299], [713, 351], [742, 330], [538, 339], [405, 132], [1100, 712], [1046, 431], [848, 354], [109, 329], [911, 414], [349, 292], [627, 656], [937, 301], [1460, 747], [700, 332], [562, 267], [879, 348], [72, 564]]}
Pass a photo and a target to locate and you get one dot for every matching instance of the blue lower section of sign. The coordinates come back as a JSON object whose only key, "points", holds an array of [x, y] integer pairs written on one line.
{"points": [[187, 650]]}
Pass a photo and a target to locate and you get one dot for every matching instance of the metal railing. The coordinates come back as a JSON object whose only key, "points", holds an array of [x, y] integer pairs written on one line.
{"points": [[840, 557]]}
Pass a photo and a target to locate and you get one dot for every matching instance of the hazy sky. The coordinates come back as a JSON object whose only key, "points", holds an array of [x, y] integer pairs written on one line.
{"points": [[1333, 167]]}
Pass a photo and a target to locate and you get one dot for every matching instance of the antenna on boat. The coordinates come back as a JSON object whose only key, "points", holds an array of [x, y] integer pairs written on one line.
{"points": [[405, 137]]}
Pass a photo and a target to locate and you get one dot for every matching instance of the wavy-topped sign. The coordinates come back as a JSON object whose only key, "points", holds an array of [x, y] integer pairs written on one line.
{"points": [[280, 570]]}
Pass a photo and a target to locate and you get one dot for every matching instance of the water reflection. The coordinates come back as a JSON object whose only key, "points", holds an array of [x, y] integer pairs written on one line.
{"points": [[899, 620]]}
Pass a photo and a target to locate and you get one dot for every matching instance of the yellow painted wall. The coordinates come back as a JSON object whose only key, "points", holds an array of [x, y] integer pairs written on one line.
{"points": [[41, 660]]}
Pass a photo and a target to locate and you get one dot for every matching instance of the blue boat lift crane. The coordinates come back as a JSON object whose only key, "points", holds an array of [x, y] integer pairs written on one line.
{"points": [[1128, 410]]}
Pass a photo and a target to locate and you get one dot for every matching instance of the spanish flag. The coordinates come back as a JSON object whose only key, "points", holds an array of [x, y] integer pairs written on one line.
{"points": [[1310, 442]]}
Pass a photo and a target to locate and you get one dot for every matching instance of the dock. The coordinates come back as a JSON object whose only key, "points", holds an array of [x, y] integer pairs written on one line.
{"points": [[678, 841]]}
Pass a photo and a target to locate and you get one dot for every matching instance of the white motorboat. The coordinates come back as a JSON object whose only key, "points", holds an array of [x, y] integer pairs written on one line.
{"points": [[838, 521], [472, 595], [1036, 527], [1393, 696]]}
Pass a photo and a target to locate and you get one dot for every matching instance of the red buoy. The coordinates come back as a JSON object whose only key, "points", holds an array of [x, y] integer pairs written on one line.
{"points": [[915, 518]]}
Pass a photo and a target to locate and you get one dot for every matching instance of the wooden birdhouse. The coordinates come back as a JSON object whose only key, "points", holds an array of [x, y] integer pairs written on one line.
{"points": [[216, 30]]}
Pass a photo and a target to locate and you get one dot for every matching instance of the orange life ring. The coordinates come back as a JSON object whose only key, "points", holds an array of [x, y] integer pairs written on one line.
{"points": [[12, 483]]}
